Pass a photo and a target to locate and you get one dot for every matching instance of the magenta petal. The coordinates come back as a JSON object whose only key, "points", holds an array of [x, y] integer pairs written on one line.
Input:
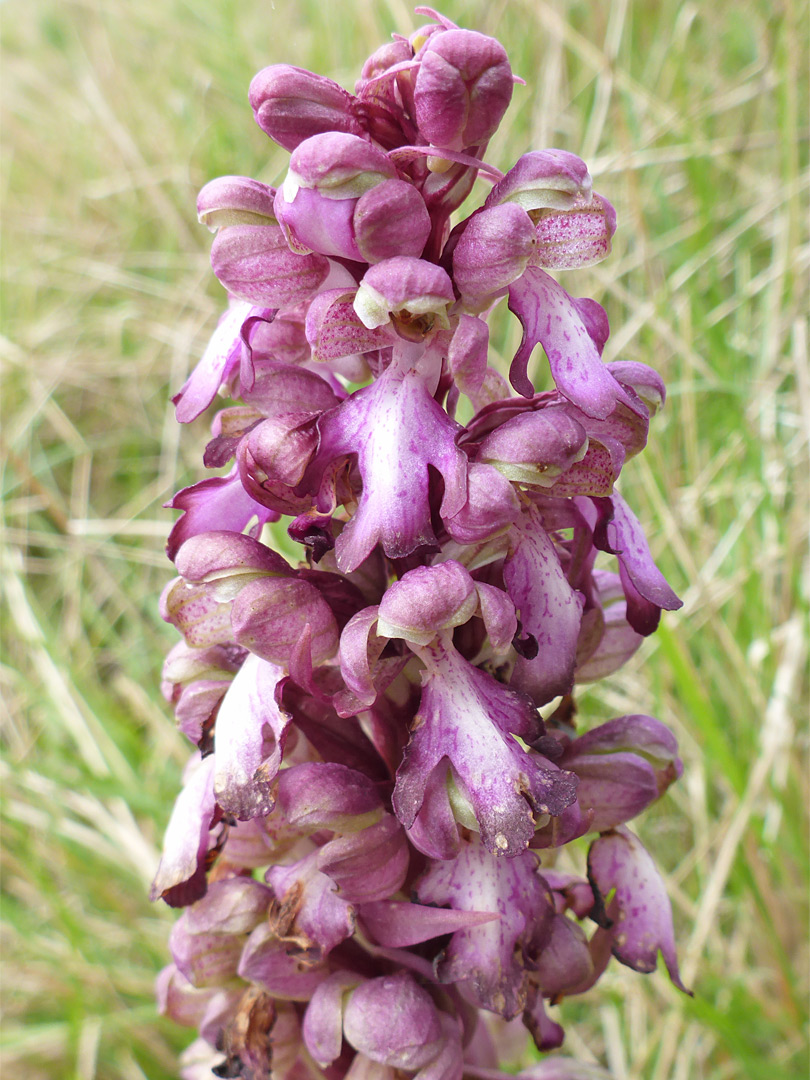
{"points": [[617, 787], [249, 740], [180, 877], [551, 317], [221, 356], [620, 865], [216, 503], [397, 430], [564, 961], [626, 538], [550, 610], [468, 717], [322, 918], [268, 962], [490, 956], [398, 924]]}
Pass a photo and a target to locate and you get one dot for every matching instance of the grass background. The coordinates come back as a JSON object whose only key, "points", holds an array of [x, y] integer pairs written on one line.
{"points": [[692, 119]]}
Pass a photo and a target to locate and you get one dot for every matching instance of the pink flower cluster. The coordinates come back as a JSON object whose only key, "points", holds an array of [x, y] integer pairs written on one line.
{"points": [[366, 841]]}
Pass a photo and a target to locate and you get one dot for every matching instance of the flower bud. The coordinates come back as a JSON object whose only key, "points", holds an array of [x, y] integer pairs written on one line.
{"points": [[270, 616], [235, 200], [493, 251], [394, 1022], [291, 104], [463, 88]]}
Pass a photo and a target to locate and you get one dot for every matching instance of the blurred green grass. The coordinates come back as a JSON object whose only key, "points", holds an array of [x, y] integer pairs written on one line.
{"points": [[692, 119]]}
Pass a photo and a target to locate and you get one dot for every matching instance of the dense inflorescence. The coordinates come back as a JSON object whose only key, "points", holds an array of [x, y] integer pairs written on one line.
{"points": [[386, 760]]}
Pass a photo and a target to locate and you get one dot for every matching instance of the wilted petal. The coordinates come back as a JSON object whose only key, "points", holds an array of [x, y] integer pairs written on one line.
{"points": [[251, 731], [180, 877], [640, 907], [266, 961]]}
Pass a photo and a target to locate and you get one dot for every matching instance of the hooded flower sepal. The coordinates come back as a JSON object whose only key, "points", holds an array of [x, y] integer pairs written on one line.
{"points": [[623, 766]]}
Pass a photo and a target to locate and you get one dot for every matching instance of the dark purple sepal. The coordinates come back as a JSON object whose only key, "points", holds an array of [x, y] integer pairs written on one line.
{"points": [[551, 317], [180, 876], [621, 870], [490, 958], [547, 1033], [251, 731], [550, 609], [564, 961]]}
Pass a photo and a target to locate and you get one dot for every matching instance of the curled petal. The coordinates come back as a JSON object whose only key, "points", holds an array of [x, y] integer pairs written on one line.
{"points": [[221, 357], [180, 877], [212, 503], [551, 317]]}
